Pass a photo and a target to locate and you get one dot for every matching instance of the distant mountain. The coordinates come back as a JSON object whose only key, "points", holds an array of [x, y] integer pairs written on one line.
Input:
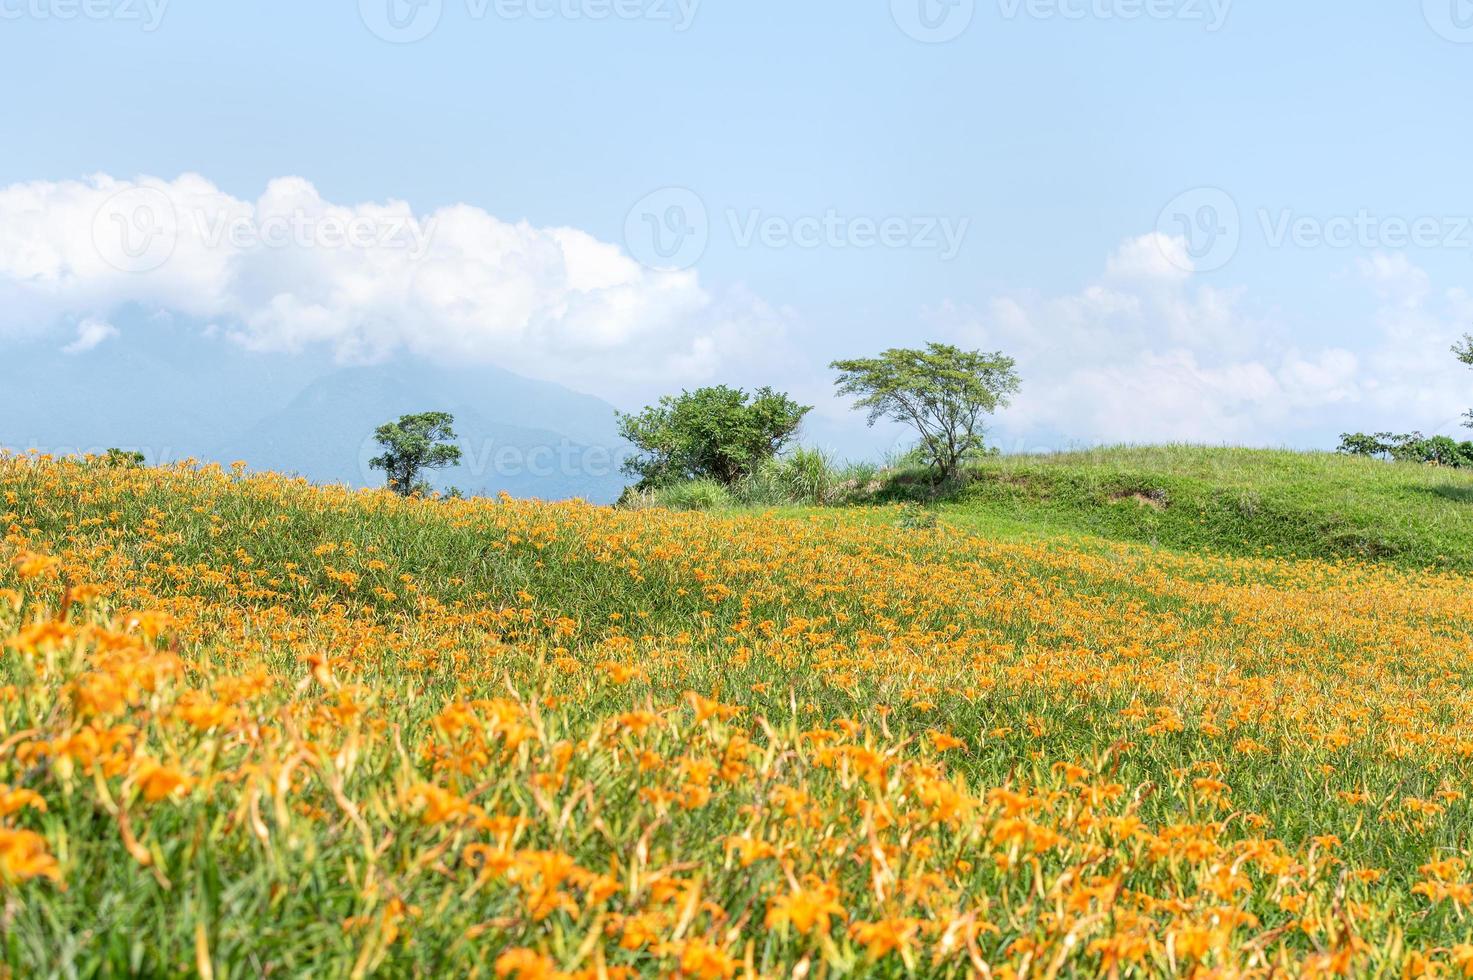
{"points": [[172, 393], [527, 438], [164, 391]]}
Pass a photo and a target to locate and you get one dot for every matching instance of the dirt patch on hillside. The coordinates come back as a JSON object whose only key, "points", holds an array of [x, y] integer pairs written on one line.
{"points": [[1154, 499]]}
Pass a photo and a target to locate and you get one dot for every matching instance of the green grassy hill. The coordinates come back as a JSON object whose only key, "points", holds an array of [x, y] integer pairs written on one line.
{"points": [[1246, 501]]}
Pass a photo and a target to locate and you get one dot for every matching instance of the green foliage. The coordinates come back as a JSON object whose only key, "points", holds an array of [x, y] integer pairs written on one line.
{"points": [[717, 433], [695, 495], [1411, 447], [1374, 445], [123, 458], [802, 477], [858, 480], [806, 476], [942, 392], [690, 495], [412, 445]]}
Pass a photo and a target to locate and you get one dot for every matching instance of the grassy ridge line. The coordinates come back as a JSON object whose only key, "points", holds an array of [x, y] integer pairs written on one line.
{"points": [[1232, 501]]}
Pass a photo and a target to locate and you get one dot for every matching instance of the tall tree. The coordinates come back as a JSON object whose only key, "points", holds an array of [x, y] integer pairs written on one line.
{"points": [[941, 391], [412, 445]]}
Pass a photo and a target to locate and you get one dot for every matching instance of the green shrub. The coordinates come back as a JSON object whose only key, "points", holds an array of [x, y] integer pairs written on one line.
{"points": [[716, 433], [694, 495], [804, 477], [1410, 447], [858, 482], [123, 458]]}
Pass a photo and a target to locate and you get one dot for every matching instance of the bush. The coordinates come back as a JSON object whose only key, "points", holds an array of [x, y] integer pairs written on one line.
{"points": [[695, 495], [123, 459], [1410, 447], [859, 481], [802, 478], [718, 433]]}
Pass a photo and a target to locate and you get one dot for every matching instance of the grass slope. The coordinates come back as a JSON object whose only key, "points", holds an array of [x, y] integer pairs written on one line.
{"points": [[251, 727], [1232, 501]]}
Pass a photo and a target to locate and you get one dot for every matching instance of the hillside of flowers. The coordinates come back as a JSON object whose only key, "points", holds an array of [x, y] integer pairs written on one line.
{"points": [[251, 727]]}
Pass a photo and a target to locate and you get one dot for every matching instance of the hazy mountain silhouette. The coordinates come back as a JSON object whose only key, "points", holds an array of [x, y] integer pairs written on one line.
{"points": [[172, 393], [528, 438]]}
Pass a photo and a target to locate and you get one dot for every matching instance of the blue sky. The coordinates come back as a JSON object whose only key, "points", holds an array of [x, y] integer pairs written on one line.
{"points": [[1031, 173]]}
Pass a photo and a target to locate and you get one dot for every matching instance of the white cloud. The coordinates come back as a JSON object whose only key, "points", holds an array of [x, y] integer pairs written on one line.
{"points": [[1395, 279], [1147, 354], [291, 270], [1156, 256], [90, 333]]}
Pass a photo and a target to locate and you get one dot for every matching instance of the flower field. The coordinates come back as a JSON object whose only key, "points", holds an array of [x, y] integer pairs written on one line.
{"points": [[252, 727]]}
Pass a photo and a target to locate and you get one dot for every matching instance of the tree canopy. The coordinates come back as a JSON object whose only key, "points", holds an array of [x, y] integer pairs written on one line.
{"points": [[941, 391], [717, 433], [412, 445]]}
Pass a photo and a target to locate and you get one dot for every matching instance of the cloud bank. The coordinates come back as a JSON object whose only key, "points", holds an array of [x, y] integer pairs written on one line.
{"points": [[1148, 353], [291, 270]]}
